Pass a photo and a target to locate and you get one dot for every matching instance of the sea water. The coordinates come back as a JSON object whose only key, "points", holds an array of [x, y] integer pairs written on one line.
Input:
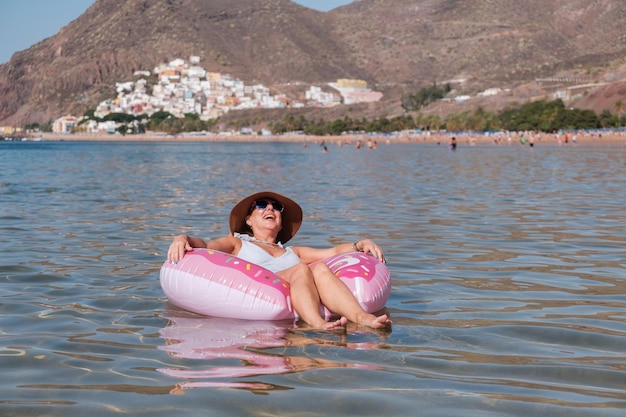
{"points": [[508, 268]]}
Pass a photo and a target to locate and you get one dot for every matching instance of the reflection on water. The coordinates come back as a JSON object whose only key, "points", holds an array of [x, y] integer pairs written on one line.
{"points": [[247, 349], [507, 266]]}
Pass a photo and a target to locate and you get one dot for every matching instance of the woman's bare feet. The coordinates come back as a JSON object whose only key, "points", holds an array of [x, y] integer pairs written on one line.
{"points": [[367, 320], [337, 324], [374, 322]]}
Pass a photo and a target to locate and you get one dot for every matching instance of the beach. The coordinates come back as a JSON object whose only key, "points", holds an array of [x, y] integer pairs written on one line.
{"points": [[579, 138]]}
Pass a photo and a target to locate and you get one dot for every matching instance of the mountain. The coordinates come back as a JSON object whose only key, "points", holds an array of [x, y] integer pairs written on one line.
{"points": [[503, 41], [397, 46]]}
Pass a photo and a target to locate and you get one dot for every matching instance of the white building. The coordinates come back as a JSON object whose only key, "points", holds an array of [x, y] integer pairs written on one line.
{"points": [[64, 124]]}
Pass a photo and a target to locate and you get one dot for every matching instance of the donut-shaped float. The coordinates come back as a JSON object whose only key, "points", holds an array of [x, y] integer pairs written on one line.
{"points": [[217, 284]]}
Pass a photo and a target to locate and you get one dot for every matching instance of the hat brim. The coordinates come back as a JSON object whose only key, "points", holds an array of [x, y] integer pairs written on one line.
{"points": [[291, 215]]}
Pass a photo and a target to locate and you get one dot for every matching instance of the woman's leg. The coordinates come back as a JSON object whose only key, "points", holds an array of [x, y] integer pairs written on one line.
{"points": [[338, 298], [305, 297]]}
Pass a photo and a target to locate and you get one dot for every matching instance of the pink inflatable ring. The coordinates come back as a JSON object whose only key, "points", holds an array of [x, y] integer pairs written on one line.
{"points": [[217, 284]]}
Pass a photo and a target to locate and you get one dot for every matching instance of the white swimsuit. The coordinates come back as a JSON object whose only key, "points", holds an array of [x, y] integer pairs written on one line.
{"points": [[252, 253]]}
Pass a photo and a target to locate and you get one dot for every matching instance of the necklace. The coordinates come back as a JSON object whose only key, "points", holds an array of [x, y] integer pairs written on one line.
{"points": [[276, 245], [249, 238]]}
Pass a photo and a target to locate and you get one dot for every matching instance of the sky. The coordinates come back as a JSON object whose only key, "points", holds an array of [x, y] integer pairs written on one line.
{"points": [[23, 23]]}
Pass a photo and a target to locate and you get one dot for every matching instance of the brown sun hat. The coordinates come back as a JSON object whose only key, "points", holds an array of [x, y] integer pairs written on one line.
{"points": [[291, 215]]}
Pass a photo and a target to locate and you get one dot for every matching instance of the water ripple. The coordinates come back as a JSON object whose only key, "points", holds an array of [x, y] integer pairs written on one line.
{"points": [[508, 274]]}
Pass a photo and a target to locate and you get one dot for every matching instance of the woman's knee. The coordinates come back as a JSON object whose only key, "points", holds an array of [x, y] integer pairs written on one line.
{"points": [[299, 271], [320, 269]]}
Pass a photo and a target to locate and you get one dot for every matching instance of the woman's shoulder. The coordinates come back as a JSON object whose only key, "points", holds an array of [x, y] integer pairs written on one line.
{"points": [[242, 236], [228, 243]]}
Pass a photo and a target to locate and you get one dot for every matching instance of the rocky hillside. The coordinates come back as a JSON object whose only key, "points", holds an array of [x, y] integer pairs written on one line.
{"points": [[498, 41], [399, 46]]}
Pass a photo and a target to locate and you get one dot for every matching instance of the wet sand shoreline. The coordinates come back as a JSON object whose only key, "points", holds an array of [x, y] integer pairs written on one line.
{"points": [[610, 138]]}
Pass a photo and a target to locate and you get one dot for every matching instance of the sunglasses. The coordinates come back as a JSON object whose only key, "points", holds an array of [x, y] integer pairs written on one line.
{"points": [[262, 204]]}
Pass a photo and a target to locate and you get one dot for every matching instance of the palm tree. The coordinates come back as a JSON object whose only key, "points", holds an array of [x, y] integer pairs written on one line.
{"points": [[620, 108]]}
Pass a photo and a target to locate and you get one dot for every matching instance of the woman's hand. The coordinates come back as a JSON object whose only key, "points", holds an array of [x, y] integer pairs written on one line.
{"points": [[368, 246], [178, 247]]}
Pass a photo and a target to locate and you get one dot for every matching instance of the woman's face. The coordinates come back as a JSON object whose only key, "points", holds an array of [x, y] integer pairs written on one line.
{"points": [[266, 215]]}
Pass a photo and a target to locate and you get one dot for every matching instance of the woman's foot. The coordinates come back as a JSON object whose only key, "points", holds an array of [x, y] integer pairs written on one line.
{"points": [[339, 324], [336, 324], [374, 322]]}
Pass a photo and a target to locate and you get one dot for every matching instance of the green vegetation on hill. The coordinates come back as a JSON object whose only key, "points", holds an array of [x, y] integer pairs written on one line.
{"points": [[424, 97], [544, 116]]}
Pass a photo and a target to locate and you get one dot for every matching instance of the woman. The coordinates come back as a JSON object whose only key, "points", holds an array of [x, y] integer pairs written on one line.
{"points": [[259, 225]]}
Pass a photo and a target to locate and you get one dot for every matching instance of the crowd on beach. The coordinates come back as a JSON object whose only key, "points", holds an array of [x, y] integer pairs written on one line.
{"points": [[533, 139], [452, 140], [366, 141], [358, 143], [529, 138]]}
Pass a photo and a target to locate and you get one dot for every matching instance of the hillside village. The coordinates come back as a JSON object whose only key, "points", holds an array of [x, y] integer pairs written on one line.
{"points": [[183, 87], [180, 88]]}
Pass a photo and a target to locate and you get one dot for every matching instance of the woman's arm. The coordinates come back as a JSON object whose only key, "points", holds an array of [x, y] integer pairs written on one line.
{"points": [[309, 255], [184, 243]]}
